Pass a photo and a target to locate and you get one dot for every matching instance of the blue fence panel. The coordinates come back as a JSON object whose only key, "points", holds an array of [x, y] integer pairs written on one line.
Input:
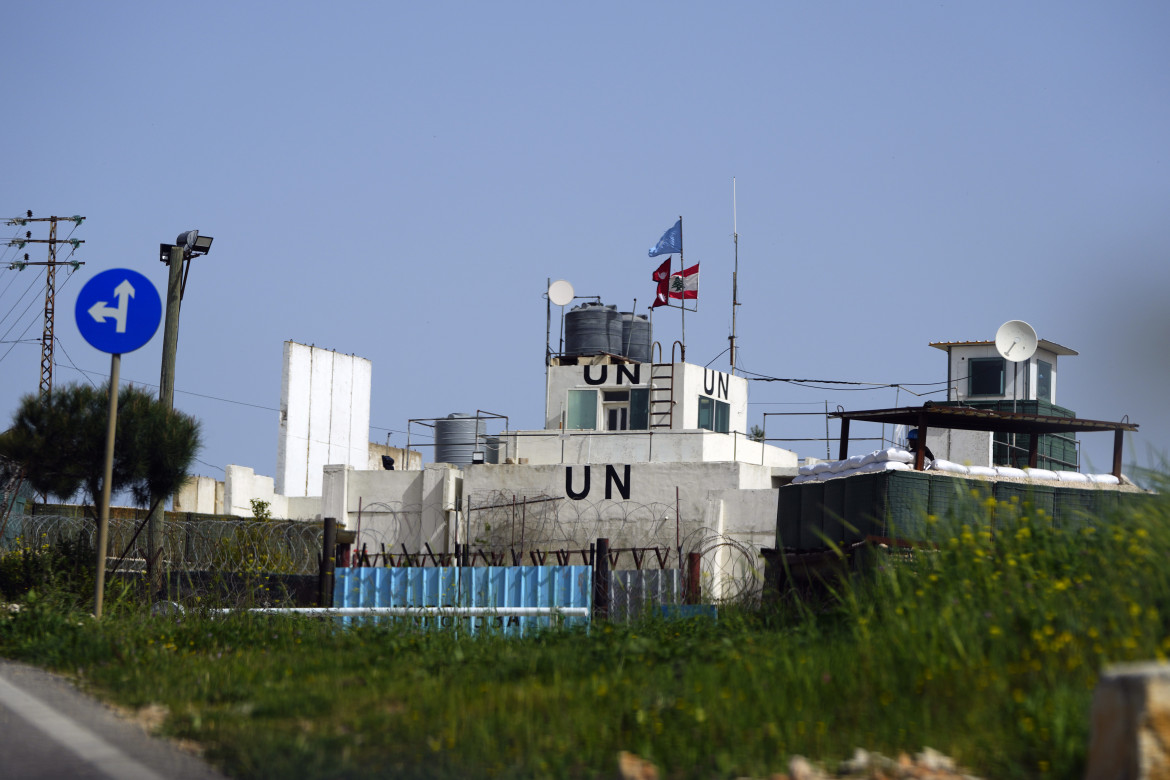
{"points": [[495, 588]]}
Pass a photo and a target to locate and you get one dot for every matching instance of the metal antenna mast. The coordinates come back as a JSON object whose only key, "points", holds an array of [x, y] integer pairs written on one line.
{"points": [[46, 387], [734, 275]]}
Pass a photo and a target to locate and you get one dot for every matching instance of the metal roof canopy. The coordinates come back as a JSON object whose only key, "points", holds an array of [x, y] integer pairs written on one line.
{"points": [[1051, 346], [969, 419]]}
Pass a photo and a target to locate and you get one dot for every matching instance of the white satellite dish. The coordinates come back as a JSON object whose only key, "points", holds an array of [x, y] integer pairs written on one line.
{"points": [[560, 292], [1016, 340]]}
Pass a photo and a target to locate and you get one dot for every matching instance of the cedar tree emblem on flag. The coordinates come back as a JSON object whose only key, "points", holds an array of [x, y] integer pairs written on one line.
{"points": [[685, 284]]}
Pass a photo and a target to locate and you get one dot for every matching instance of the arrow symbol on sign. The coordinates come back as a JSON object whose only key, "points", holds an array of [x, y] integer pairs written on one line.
{"points": [[99, 311]]}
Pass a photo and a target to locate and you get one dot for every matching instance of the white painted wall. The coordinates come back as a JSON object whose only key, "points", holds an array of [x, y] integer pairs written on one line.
{"points": [[970, 448], [423, 503], [689, 383], [242, 484], [203, 495], [324, 416], [657, 446], [1019, 378]]}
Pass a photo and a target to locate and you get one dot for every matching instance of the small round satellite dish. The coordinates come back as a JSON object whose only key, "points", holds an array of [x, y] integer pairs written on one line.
{"points": [[1016, 340], [560, 292]]}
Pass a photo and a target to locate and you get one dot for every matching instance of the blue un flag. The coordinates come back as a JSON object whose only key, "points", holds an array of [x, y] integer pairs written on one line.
{"points": [[670, 242]]}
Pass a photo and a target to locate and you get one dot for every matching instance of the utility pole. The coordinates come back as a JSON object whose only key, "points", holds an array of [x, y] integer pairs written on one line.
{"points": [[46, 386], [178, 258]]}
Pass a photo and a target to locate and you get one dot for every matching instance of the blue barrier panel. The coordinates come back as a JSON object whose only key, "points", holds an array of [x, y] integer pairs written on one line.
{"points": [[496, 595]]}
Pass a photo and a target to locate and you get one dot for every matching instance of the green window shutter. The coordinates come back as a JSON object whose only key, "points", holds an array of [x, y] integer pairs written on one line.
{"points": [[639, 409], [582, 411]]}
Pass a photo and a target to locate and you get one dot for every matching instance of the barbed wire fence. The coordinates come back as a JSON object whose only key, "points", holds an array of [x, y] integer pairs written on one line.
{"points": [[233, 562], [651, 549]]}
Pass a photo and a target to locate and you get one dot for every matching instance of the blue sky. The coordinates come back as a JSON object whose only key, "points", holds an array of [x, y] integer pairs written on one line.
{"points": [[398, 181]]}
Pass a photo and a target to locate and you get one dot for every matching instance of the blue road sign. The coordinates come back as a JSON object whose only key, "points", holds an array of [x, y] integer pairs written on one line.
{"points": [[118, 311]]}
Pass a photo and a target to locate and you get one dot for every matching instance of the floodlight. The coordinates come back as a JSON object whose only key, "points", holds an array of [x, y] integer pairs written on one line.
{"points": [[193, 243]]}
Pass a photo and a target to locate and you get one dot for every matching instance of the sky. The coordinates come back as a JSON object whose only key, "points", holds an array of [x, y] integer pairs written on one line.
{"points": [[400, 181]]}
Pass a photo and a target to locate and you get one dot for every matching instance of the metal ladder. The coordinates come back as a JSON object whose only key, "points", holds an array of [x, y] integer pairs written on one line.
{"points": [[662, 395]]}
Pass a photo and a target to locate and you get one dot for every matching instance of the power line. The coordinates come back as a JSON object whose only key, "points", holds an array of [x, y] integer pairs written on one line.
{"points": [[207, 396], [47, 338]]}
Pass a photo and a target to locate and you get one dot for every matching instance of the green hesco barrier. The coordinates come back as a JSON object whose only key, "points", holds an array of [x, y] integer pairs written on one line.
{"points": [[891, 504], [895, 504], [1030, 499], [909, 502], [788, 517], [1130, 502], [1075, 507], [1108, 502], [952, 498], [812, 513], [834, 522]]}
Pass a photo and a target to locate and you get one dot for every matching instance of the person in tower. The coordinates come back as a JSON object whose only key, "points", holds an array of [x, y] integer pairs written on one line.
{"points": [[912, 445]]}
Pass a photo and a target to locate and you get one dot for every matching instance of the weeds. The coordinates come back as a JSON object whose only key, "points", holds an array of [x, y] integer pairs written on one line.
{"points": [[985, 644]]}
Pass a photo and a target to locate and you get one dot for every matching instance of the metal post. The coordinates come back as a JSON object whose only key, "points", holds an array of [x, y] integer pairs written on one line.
{"points": [[328, 553], [843, 453], [166, 395], [601, 580], [1118, 446], [693, 589], [104, 511]]}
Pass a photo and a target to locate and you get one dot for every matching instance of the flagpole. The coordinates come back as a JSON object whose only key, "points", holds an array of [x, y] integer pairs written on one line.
{"points": [[683, 303], [734, 274]]}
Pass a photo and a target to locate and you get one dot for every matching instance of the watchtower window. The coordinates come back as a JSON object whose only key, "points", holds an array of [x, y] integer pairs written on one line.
{"points": [[1043, 381], [986, 376]]}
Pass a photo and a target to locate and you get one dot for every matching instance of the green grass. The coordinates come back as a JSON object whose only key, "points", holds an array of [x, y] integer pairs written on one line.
{"points": [[987, 648]]}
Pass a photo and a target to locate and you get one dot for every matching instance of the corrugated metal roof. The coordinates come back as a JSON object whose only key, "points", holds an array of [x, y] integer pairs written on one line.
{"points": [[971, 419], [1051, 346]]}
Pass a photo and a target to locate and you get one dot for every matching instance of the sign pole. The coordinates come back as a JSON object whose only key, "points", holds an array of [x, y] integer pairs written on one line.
{"points": [[104, 511], [108, 320]]}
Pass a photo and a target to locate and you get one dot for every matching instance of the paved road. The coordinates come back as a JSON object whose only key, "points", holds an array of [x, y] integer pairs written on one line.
{"points": [[51, 730]]}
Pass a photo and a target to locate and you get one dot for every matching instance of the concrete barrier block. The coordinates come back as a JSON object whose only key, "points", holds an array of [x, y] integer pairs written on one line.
{"points": [[1131, 723]]}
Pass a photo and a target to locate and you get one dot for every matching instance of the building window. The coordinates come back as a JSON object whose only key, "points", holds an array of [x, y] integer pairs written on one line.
{"points": [[1043, 381], [985, 376], [640, 409], [626, 410], [582, 410], [714, 415]]}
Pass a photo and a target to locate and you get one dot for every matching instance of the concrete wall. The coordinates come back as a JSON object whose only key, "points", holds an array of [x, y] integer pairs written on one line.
{"points": [[404, 460], [203, 495], [970, 448], [543, 447], [324, 416], [689, 383], [399, 507], [632, 503], [242, 484]]}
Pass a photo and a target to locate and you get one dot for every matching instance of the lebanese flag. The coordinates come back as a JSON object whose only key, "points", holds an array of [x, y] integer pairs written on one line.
{"points": [[685, 284]]}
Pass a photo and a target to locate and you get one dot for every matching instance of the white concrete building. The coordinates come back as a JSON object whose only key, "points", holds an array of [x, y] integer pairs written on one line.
{"points": [[640, 453]]}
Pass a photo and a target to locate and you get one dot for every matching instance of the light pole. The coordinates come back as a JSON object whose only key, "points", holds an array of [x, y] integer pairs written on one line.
{"points": [[178, 258]]}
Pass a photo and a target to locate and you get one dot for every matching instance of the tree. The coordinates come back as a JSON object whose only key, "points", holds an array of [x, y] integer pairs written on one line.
{"points": [[61, 442], [756, 433]]}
